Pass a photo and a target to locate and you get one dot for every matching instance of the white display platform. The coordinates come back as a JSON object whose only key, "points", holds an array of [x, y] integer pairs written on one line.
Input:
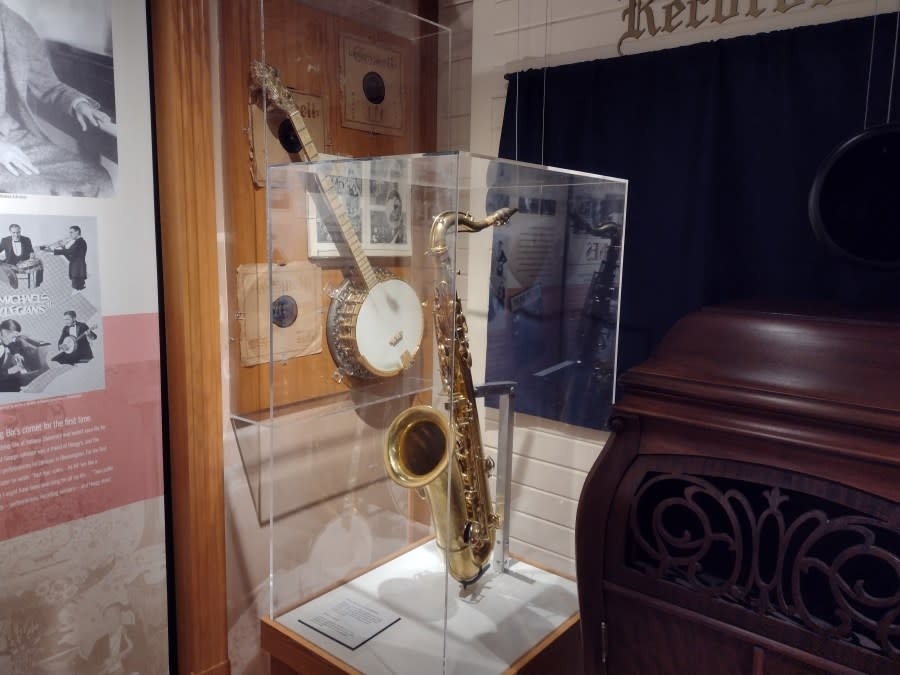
{"points": [[489, 626]]}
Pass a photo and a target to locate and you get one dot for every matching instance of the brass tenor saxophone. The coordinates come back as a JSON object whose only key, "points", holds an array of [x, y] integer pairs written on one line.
{"points": [[421, 442]]}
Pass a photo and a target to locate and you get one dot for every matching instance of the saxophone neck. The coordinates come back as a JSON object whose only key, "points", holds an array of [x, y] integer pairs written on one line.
{"points": [[464, 222]]}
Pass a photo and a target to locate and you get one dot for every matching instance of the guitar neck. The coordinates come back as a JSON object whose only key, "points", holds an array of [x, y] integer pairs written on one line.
{"points": [[335, 202]]}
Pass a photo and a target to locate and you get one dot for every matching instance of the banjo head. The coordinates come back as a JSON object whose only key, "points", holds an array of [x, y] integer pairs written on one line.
{"points": [[375, 333]]}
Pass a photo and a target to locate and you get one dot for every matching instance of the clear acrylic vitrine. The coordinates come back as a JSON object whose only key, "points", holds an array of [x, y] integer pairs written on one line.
{"points": [[392, 491]]}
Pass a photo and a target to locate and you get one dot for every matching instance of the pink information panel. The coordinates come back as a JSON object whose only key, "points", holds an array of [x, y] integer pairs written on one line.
{"points": [[78, 455], [82, 526]]}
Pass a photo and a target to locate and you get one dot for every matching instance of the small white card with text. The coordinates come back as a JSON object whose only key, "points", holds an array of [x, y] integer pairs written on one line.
{"points": [[345, 619]]}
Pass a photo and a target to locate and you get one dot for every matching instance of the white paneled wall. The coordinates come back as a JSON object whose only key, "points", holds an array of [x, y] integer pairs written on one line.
{"points": [[454, 115], [496, 37], [550, 463]]}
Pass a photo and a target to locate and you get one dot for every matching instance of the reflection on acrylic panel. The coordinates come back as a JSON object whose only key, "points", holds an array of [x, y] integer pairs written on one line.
{"points": [[554, 293], [51, 332]]}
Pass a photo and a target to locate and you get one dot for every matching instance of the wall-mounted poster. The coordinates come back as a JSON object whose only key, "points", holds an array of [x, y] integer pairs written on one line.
{"points": [[82, 528]]}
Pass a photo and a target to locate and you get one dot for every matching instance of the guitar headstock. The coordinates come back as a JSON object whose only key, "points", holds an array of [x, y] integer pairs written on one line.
{"points": [[265, 77]]}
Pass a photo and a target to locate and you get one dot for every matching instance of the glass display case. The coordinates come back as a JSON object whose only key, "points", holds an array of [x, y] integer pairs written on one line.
{"points": [[303, 79], [440, 293]]}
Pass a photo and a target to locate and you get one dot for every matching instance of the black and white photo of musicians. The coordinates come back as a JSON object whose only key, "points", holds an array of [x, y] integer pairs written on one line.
{"points": [[35, 248], [22, 268], [12, 361], [73, 249], [74, 342], [57, 99], [23, 358], [51, 318], [18, 262], [15, 248]]}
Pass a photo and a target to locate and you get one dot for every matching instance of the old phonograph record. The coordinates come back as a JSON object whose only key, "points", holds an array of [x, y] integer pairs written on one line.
{"points": [[372, 88]]}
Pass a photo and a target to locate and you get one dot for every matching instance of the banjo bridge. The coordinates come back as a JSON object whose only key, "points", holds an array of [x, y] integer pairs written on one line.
{"points": [[376, 333]]}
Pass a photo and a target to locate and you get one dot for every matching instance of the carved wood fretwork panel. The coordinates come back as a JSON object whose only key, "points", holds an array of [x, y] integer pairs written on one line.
{"points": [[745, 516], [791, 549]]}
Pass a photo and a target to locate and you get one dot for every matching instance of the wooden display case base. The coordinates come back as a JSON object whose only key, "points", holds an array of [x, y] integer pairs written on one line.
{"points": [[559, 652], [522, 621]]}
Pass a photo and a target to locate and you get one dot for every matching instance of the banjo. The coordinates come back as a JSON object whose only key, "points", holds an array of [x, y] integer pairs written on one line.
{"points": [[375, 324], [70, 343]]}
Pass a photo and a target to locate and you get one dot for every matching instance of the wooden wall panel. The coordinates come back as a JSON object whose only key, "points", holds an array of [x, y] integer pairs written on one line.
{"points": [[187, 215]]}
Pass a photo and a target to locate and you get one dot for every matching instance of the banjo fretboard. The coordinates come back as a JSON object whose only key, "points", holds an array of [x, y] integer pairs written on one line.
{"points": [[280, 96]]}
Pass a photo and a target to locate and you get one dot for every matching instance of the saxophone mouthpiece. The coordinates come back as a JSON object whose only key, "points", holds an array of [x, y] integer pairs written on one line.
{"points": [[465, 222], [502, 216]]}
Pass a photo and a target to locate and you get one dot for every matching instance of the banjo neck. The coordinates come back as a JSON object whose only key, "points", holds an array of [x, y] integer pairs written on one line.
{"points": [[334, 201], [277, 94]]}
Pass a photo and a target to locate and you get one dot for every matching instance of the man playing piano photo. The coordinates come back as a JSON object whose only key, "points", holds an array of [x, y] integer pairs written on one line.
{"points": [[30, 162]]}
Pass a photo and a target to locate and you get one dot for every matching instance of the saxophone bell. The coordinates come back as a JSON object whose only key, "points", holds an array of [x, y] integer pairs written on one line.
{"points": [[416, 456], [416, 446]]}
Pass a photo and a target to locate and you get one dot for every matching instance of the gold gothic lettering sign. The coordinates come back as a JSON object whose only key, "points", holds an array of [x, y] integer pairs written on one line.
{"points": [[643, 17]]}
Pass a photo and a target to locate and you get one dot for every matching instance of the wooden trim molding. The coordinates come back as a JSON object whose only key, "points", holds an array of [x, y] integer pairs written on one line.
{"points": [[180, 38]]}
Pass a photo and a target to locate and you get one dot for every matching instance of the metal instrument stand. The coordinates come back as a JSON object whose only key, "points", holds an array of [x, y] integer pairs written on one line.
{"points": [[506, 390]]}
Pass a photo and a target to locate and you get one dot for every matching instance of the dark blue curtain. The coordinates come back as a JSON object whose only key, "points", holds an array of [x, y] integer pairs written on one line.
{"points": [[720, 143]]}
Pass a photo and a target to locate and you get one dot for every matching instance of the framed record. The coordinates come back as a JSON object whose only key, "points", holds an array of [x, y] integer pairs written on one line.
{"points": [[290, 320], [371, 87]]}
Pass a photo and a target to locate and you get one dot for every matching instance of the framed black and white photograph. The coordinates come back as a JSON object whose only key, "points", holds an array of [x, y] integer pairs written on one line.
{"points": [[51, 337], [58, 124], [375, 196], [388, 211], [348, 185]]}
